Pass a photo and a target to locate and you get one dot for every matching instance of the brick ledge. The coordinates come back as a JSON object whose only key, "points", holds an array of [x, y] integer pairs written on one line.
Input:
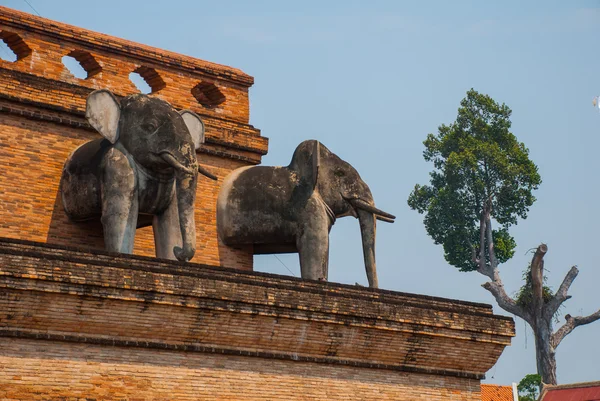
{"points": [[37, 335], [82, 255]]}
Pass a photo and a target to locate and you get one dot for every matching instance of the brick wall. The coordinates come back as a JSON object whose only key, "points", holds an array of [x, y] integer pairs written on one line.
{"points": [[50, 371], [42, 120], [109, 326]]}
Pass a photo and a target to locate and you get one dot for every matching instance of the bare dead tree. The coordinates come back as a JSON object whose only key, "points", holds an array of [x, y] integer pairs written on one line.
{"points": [[538, 313]]}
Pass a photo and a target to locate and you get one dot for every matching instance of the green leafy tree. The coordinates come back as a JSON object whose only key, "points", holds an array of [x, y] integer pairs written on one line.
{"points": [[483, 177], [529, 387]]}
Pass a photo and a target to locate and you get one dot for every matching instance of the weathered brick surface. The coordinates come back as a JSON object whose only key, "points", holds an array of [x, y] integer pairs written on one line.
{"points": [[108, 318], [42, 121], [50, 41], [49, 371]]}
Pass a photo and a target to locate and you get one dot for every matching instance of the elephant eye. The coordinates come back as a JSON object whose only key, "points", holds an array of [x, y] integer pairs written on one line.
{"points": [[339, 173], [150, 126]]}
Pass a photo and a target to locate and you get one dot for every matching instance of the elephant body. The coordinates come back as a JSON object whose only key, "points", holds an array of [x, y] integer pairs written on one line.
{"points": [[292, 208], [143, 172], [82, 183]]}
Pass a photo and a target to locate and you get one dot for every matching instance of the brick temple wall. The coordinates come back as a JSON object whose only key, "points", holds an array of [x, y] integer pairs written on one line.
{"points": [[85, 372], [42, 121], [99, 326]]}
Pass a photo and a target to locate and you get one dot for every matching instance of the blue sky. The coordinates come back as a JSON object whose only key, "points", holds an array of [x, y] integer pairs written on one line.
{"points": [[370, 80]]}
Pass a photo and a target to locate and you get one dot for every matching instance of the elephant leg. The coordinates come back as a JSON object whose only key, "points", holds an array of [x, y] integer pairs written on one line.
{"points": [[119, 203], [167, 232], [313, 242]]}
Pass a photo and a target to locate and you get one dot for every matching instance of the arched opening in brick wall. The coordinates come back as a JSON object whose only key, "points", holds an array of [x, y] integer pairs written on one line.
{"points": [[6, 53], [208, 95], [12, 47], [74, 67], [81, 64], [147, 80]]}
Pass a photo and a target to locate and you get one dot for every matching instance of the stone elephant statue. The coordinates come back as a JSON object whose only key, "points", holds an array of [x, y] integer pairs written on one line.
{"points": [[292, 209], [143, 172]]}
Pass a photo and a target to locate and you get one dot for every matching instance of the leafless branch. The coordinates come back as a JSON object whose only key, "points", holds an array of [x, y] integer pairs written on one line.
{"points": [[486, 270], [490, 244], [570, 325], [504, 301], [474, 258], [495, 287], [482, 221], [561, 294]]}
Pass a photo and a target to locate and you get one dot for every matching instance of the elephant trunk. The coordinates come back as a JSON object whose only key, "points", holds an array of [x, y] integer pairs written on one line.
{"points": [[186, 180], [185, 191], [367, 230]]}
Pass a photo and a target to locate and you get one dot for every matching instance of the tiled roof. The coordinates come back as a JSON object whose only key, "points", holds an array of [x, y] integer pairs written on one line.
{"points": [[572, 392], [492, 392]]}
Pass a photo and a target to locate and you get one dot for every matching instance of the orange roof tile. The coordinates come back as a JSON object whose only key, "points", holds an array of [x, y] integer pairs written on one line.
{"points": [[493, 392]]}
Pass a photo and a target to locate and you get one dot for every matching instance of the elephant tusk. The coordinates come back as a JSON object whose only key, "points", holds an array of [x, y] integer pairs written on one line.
{"points": [[361, 204], [206, 173], [175, 164], [381, 218]]}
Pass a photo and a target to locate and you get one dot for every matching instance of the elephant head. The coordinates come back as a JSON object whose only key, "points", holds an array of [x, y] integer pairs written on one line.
{"points": [[161, 141], [343, 191]]}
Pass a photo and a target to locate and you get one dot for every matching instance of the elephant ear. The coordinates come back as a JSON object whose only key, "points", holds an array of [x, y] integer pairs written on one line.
{"points": [[306, 161], [195, 126], [103, 112]]}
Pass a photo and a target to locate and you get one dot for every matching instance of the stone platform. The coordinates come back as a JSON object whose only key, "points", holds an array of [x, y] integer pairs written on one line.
{"points": [[90, 325]]}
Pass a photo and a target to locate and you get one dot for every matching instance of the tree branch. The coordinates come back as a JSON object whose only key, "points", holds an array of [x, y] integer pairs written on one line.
{"points": [[504, 301], [486, 270], [561, 294], [491, 270], [482, 221], [495, 286], [474, 256], [572, 323], [537, 277], [490, 244]]}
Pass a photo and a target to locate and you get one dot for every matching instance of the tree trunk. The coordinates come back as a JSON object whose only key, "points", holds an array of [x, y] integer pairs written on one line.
{"points": [[544, 352]]}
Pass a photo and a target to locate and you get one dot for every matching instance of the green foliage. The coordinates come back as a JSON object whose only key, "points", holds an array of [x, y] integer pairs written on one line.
{"points": [[529, 387], [525, 295], [476, 160]]}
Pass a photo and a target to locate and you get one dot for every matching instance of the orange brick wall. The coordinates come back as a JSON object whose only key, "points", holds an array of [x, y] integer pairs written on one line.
{"points": [[50, 371], [76, 325], [42, 121]]}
